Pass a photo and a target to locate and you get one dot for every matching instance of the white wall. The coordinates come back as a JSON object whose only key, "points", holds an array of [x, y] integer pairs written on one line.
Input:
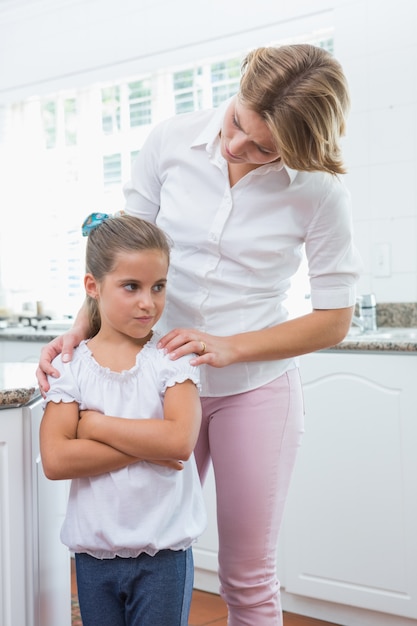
{"points": [[45, 45], [377, 45]]}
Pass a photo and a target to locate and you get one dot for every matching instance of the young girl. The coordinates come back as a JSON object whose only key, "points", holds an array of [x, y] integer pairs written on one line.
{"points": [[130, 522]]}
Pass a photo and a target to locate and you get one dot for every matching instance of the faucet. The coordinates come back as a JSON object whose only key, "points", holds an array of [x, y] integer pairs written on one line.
{"points": [[366, 320]]}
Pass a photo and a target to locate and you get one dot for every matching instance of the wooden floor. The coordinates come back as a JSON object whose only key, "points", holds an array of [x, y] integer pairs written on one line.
{"points": [[208, 609]]}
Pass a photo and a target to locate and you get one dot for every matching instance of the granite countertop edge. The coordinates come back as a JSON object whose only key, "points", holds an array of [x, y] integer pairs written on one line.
{"points": [[373, 345], [18, 397], [388, 315], [37, 336]]}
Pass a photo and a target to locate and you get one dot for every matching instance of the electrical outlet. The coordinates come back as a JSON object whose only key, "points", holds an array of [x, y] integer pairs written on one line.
{"points": [[382, 260]]}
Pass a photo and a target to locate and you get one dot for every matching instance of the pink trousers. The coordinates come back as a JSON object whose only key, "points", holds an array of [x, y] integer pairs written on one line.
{"points": [[252, 440]]}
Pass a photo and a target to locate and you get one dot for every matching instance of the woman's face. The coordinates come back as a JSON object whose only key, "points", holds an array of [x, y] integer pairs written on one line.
{"points": [[245, 137]]}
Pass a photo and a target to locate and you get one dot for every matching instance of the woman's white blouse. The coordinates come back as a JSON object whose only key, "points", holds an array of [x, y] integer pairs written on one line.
{"points": [[236, 249], [143, 507]]}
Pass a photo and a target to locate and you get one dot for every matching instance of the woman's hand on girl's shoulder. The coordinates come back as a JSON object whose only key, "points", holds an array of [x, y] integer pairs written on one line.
{"points": [[64, 344], [48, 353], [207, 349]]}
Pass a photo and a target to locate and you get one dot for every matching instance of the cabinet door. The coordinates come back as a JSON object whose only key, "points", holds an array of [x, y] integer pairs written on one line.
{"points": [[350, 521], [206, 548], [21, 351], [13, 590], [50, 577]]}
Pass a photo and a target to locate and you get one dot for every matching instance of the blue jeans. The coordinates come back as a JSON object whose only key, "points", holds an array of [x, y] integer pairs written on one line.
{"points": [[141, 591]]}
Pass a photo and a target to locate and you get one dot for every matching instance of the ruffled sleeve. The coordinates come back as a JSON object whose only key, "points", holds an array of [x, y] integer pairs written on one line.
{"points": [[173, 372], [64, 388]]}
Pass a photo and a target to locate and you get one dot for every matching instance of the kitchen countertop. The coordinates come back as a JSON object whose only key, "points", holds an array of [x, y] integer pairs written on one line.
{"points": [[384, 339], [29, 333], [18, 384]]}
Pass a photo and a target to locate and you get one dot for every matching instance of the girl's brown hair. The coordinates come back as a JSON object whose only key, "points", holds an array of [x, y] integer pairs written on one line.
{"points": [[123, 233], [302, 94]]}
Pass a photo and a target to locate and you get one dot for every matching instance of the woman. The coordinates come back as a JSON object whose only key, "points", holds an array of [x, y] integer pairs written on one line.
{"points": [[240, 190]]}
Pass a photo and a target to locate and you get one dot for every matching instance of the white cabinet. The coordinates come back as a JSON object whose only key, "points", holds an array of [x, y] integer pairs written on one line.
{"points": [[348, 545], [205, 550], [35, 583], [349, 535], [20, 351]]}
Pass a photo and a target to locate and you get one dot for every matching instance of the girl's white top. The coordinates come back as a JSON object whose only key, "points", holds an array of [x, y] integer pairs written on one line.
{"points": [[236, 248], [143, 507]]}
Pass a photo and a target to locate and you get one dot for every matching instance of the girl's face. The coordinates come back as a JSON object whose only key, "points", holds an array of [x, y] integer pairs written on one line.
{"points": [[131, 298], [245, 137]]}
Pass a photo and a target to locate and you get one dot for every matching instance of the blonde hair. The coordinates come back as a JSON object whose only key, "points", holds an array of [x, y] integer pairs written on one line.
{"points": [[302, 94], [123, 233]]}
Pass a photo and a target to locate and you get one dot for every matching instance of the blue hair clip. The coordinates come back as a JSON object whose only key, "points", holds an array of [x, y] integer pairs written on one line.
{"points": [[92, 221]]}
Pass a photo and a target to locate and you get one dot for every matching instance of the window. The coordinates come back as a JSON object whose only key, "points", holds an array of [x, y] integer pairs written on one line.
{"points": [[140, 103], [70, 121], [327, 43], [80, 153], [110, 105], [51, 112], [188, 90], [112, 169], [225, 77], [133, 155], [66, 271], [49, 119]]}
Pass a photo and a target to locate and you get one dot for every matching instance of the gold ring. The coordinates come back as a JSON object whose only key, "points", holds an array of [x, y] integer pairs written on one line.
{"points": [[203, 347]]}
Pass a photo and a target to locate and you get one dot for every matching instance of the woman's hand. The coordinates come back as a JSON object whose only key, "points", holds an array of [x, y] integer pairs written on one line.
{"points": [[64, 344], [322, 328], [209, 349]]}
